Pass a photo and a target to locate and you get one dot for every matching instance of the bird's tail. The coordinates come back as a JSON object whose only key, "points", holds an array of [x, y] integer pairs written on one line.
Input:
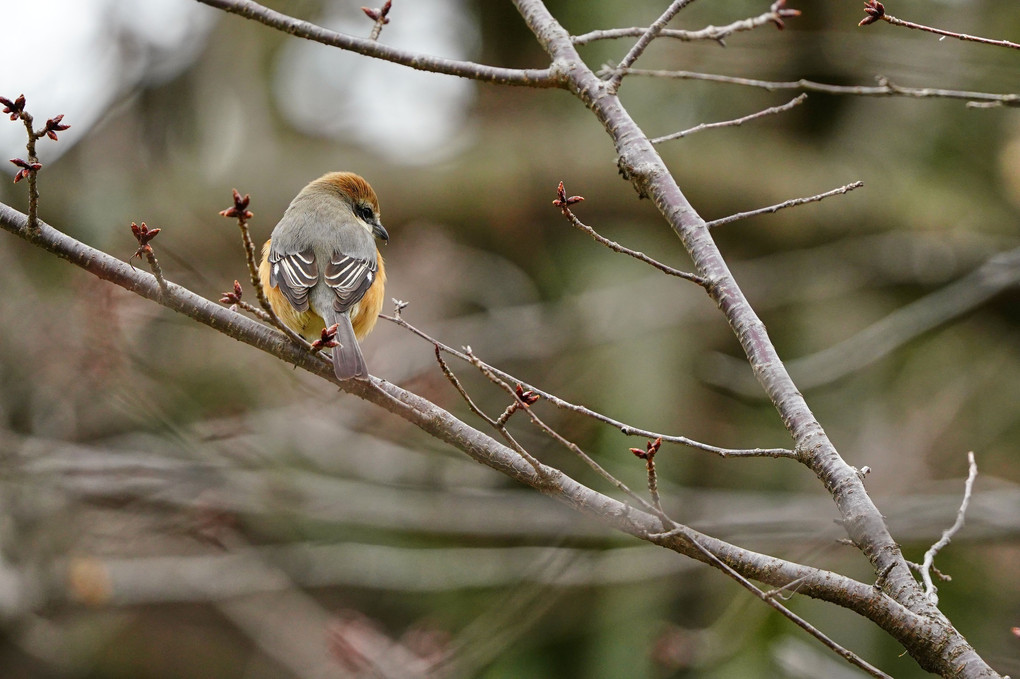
{"points": [[348, 362]]}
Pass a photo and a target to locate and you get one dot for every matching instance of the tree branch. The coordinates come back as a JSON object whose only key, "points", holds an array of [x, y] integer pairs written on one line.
{"points": [[885, 88], [736, 122], [546, 77], [775, 16]]}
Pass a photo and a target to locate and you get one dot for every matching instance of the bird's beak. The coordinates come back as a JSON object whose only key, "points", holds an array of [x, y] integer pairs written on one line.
{"points": [[380, 232]]}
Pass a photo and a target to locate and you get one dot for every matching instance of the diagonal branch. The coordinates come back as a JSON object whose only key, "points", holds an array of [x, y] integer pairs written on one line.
{"points": [[623, 250], [650, 34], [793, 202], [248, 9], [736, 122], [929, 557]]}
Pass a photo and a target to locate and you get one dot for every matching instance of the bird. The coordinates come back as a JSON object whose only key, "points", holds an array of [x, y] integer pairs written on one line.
{"points": [[321, 266]]}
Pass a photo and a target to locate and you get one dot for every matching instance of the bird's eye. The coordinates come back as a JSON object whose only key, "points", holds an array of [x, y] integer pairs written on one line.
{"points": [[366, 213]]}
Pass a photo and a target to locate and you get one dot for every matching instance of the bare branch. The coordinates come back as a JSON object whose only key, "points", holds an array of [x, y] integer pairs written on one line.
{"points": [[929, 557], [885, 88], [569, 445], [644, 41], [737, 122], [303, 29], [718, 33], [495, 424], [563, 202], [876, 11], [624, 428], [785, 204]]}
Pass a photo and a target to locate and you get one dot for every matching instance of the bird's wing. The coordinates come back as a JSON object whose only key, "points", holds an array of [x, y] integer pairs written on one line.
{"points": [[294, 273], [350, 278]]}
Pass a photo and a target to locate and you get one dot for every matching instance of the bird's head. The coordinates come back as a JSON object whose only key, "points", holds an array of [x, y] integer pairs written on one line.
{"points": [[357, 194]]}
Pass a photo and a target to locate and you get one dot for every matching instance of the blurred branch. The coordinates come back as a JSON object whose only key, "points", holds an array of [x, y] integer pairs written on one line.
{"points": [[248, 9], [774, 16], [462, 508], [736, 122], [998, 273], [850, 656], [243, 571], [885, 88]]}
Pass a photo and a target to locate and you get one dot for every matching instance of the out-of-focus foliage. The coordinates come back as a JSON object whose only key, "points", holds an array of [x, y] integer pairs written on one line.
{"points": [[175, 504]]}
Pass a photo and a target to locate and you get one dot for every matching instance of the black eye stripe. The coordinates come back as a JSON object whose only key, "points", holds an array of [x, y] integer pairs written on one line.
{"points": [[365, 212]]}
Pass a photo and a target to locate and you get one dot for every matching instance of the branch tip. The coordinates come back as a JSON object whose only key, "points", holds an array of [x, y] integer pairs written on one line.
{"points": [[875, 11]]}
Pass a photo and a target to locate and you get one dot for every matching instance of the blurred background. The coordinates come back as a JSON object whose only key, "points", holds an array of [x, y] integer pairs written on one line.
{"points": [[178, 505]]}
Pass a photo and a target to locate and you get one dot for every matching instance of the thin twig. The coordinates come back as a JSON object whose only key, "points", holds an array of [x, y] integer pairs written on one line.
{"points": [[15, 108], [648, 455], [929, 557], [569, 445], [256, 312], [143, 234], [736, 122], [785, 204], [770, 599], [875, 11], [33, 175], [644, 41], [495, 424], [717, 33], [885, 88], [379, 16], [150, 256], [563, 202], [624, 428], [241, 212]]}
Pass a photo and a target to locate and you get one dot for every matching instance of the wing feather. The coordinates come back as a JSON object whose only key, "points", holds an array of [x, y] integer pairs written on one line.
{"points": [[350, 278], [294, 273]]}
